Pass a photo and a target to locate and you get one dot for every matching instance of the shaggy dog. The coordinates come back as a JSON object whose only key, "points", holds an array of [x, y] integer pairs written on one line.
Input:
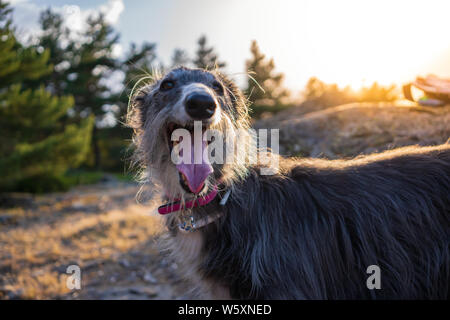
{"points": [[310, 230]]}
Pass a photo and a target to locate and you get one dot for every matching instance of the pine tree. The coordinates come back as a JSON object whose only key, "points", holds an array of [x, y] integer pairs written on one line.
{"points": [[264, 85], [92, 63], [377, 93], [206, 58], [138, 63], [138, 68], [34, 143], [323, 95], [180, 58], [55, 37], [83, 63]]}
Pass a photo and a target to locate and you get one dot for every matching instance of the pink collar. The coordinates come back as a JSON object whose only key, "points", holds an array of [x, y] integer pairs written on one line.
{"points": [[197, 202]]}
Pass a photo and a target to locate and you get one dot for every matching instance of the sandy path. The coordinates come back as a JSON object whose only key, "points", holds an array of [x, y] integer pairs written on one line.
{"points": [[100, 228]]}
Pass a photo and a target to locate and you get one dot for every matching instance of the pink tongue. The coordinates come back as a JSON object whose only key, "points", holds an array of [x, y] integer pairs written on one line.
{"points": [[196, 174]]}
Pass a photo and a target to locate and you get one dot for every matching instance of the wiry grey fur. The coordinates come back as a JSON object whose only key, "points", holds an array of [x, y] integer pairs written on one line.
{"points": [[311, 230]]}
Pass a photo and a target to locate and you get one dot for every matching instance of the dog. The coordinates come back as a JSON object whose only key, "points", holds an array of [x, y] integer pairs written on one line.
{"points": [[310, 230]]}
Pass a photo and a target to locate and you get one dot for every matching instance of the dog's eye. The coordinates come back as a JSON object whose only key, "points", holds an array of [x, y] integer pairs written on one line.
{"points": [[167, 85], [217, 86]]}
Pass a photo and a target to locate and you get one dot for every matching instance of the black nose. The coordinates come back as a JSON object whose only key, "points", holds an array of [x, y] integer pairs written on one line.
{"points": [[200, 106]]}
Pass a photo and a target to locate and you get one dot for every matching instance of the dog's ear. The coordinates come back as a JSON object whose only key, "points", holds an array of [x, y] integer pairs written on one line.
{"points": [[137, 109], [237, 98]]}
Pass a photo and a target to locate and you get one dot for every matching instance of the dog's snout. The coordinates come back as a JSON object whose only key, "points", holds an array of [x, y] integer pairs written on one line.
{"points": [[200, 106]]}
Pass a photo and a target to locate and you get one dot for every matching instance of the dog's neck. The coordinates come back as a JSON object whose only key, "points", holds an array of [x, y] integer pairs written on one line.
{"points": [[189, 223]]}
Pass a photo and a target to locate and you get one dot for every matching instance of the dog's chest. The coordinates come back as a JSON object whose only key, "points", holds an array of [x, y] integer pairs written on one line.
{"points": [[186, 249]]}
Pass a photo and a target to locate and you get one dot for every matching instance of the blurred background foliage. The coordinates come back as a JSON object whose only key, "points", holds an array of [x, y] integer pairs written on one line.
{"points": [[61, 119]]}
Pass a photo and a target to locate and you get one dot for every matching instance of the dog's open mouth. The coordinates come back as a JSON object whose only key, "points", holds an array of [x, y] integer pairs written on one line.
{"points": [[195, 168]]}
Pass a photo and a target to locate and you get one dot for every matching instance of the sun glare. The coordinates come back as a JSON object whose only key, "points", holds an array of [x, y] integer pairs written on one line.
{"points": [[354, 42]]}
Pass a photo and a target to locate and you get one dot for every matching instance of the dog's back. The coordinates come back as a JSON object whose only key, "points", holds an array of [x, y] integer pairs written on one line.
{"points": [[312, 230]]}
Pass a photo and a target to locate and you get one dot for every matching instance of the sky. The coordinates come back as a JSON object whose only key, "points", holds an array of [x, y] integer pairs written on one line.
{"points": [[348, 42]]}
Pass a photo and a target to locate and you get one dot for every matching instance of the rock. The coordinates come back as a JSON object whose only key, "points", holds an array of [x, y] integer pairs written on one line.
{"points": [[163, 263], [90, 265], [148, 277], [78, 205], [358, 128], [129, 293], [14, 294], [125, 263], [7, 219], [148, 291]]}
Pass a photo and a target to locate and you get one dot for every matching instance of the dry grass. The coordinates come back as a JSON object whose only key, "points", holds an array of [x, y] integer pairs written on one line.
{"points": [[79, 228]]}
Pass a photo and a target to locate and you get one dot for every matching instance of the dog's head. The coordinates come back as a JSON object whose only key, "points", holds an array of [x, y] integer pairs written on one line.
{"points": [[182, 106]]}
